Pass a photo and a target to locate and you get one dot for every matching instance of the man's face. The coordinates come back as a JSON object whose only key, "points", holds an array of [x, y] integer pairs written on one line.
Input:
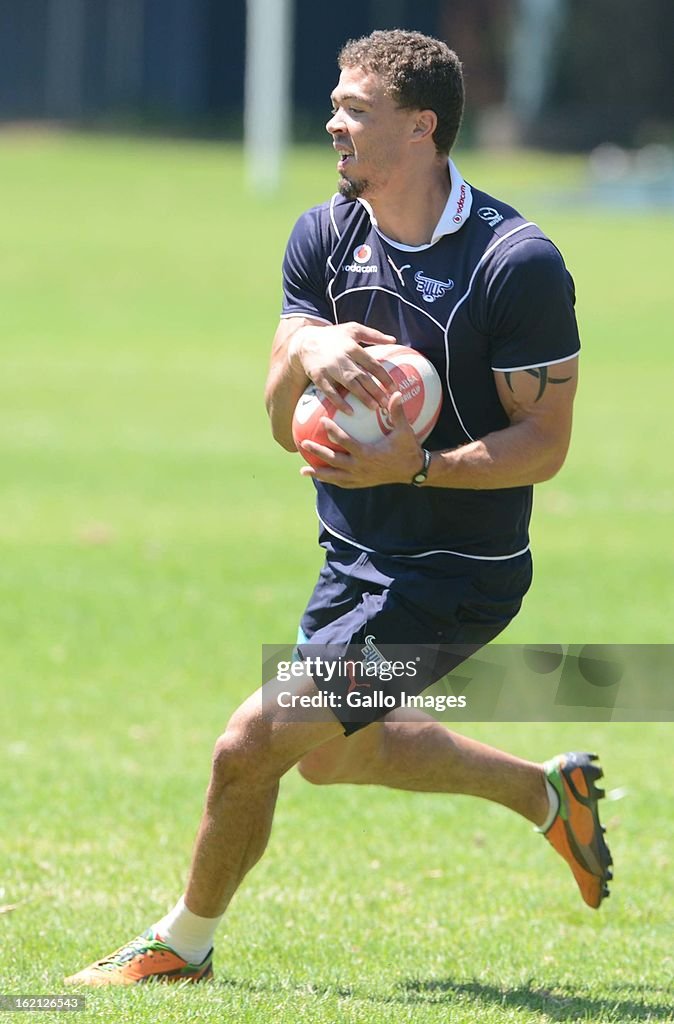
{"points": [[368, 130]]}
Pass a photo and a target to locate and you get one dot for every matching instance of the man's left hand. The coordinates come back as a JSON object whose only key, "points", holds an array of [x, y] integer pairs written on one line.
{"points": [[393, 460]]}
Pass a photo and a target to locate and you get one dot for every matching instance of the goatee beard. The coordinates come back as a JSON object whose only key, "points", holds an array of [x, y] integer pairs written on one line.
{"points": [[351, 189]]}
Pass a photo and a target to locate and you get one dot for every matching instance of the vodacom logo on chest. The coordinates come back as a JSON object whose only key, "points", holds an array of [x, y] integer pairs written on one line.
{"points": [[362, 255]]}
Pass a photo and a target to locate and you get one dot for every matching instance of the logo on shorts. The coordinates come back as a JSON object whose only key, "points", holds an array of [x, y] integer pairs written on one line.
{"points": [[430, 288], [372, 654]]}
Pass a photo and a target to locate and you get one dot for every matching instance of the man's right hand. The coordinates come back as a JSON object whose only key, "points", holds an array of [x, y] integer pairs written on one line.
{"points": [[337, 355]]}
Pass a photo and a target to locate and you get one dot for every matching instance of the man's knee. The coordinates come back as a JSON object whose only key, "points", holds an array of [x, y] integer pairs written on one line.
{"points": [[259, 745], [244, 754]]}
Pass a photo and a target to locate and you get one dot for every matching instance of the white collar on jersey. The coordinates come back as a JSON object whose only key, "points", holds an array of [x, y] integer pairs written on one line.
{"points": [[452, 218]]}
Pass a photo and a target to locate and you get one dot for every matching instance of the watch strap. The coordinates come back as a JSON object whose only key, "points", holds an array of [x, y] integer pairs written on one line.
{"points": [[420, 478]]}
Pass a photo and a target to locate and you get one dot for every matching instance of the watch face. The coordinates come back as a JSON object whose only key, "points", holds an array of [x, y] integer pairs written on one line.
{"points": [[421, 476]]}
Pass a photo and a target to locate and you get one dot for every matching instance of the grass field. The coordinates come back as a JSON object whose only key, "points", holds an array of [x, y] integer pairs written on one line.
{"points": [[152, 538]]}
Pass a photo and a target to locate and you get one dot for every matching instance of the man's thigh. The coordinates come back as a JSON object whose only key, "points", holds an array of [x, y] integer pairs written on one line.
{"points": [[355, 758], [269, 726]]}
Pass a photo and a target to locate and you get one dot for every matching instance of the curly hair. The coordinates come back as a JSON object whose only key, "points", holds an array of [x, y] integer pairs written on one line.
{"points": [[418, 72]]}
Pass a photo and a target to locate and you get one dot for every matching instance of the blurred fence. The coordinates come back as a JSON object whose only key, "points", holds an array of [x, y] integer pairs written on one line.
{"points": [[560, 73]]}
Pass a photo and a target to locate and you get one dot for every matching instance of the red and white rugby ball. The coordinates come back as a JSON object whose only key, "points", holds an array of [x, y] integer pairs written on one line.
{"points": [[418, 382]]}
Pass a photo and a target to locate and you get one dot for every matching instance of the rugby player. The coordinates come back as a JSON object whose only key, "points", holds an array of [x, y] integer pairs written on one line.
{"points": [[426, 545]]}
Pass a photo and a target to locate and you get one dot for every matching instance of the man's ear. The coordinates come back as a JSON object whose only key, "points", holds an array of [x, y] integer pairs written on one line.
{"points": [[425, 124]]}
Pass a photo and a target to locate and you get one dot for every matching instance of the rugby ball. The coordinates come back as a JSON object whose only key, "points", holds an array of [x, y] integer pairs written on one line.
{"points": [[415, 377]]}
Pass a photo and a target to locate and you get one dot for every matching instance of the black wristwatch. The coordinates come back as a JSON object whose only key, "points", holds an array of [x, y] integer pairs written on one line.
{"points": [[420, 478]]}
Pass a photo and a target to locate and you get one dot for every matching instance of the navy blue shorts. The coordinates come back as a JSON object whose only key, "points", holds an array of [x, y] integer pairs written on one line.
{"points": [[363, 602]]}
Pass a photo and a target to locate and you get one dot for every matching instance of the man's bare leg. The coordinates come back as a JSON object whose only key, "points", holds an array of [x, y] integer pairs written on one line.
{"points": [[256, 750], [423, 756], [561, 797], [252, 755], [260, 744]]}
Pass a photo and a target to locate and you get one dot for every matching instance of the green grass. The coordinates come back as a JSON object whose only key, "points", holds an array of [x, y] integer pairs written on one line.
{"points": [[152, 538]]}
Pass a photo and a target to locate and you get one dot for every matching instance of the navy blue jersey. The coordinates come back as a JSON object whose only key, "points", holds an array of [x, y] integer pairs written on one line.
{"points": [[489, 292]]}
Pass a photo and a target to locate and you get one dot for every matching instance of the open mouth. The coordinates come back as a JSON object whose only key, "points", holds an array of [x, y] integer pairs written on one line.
{"points": [[345, 158]]}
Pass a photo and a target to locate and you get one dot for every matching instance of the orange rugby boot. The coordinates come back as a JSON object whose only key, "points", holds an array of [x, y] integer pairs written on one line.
{"points": [[144, 959], [576, 832]]}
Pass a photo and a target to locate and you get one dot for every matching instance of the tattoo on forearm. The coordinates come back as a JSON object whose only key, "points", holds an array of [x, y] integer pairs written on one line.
{"points": [[541, 375]]}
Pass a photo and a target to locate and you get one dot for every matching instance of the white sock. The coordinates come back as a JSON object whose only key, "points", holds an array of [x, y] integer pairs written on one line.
{"points": [[188, 934], [553, 798]]}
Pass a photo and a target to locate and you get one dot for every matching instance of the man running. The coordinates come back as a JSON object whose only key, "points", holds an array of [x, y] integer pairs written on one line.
{"points": [[424, 545]]}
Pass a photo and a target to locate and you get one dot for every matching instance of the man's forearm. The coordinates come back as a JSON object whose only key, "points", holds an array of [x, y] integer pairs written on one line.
{"points": [[519, 455], [286, 381], [284, 388]]}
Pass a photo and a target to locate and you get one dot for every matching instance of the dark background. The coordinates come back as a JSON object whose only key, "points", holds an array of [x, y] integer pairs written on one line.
{"points": [[179, 64]]}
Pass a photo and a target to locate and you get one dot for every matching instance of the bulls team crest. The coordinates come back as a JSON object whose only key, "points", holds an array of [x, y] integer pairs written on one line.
{"points": [[430, 288]]}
